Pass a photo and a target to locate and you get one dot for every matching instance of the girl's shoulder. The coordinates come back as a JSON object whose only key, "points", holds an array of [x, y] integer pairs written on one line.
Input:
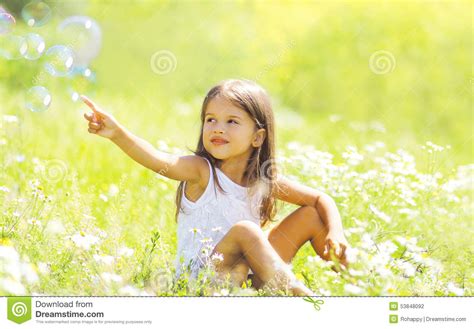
{"points": [[205, 172], [195, 189]]}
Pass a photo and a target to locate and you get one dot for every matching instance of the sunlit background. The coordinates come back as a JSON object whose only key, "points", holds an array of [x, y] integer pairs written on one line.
{"points": [[375, 97]]}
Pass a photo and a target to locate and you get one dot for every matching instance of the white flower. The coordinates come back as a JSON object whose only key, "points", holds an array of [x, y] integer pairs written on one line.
{"points": [[9, 254], [34, 222], [402, 240], [432, 147], [408, 269], [377, 126], [351, 254], [335, 117], [315, 259], [324, 292], [113, 190], [28, 273], [111, 277], [4, 189], [10, 118], [86, 216], [126, 252], [381, 259], [43, 268], [20, 158], [206, 240], [352, 289], [355, 272], [370, 148], [13, 269], [387, 247], [223, 292], [104, 259], [411, 213], [217, 256], [383, 271], [455, 290], [379, 144], [352, 156], [54, 226], [367, 242], [129, 291], [84, 241], [195, 230], [12, 287], [103, 197], [386, 218]]}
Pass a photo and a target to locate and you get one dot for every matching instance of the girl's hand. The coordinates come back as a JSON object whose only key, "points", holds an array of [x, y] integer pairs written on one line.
{"points": [[101, 122], [336, 242]]}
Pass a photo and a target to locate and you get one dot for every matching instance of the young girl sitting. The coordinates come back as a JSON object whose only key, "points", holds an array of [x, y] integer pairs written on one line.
{"points": [[228, 192]]}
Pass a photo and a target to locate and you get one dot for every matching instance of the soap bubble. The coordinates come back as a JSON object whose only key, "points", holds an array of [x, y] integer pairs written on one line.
{"points": [[84, 36], [38, 99], [59, 60], [35, 46], [36, 13], [7, 21], [13, 46], [82, 82]]}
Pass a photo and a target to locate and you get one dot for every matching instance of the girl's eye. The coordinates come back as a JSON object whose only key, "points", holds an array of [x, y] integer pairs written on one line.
{"points": [[210, 119]]}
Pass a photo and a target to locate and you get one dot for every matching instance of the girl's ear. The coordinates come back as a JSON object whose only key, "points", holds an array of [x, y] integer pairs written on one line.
{"points": [[259, 137]]}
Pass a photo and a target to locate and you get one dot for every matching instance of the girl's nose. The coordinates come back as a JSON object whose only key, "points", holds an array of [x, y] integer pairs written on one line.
{"points": [[218, 129]]}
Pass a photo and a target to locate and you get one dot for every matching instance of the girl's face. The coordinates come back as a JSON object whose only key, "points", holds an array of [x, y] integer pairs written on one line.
{"points": [[229, 131]]}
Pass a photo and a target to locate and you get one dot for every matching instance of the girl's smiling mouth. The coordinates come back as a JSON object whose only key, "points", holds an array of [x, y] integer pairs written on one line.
{"points": [[218, 141]]}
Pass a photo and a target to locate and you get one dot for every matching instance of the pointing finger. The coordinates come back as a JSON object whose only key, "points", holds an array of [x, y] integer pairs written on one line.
{"points": [[88, 102], [94, 107]]}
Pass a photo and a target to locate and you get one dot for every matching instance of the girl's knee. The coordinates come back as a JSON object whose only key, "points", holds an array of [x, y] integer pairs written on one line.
{"points": [[246, 232], [246, 227]]}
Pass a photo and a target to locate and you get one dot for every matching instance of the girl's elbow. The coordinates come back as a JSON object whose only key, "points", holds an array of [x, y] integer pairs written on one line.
{"points": [[325, 199]]}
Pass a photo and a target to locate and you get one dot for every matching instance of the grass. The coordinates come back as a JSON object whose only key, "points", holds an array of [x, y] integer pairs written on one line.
{"points": [[359, 136]]}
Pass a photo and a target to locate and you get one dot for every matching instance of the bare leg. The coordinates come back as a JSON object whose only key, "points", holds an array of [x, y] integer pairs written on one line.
{"points": [[246, 241], [288, 236]]}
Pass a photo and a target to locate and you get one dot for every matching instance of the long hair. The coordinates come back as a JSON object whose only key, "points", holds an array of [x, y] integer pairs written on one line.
{"points": [[260, 172]]}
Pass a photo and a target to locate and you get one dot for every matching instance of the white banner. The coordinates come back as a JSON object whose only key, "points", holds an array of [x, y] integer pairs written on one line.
{"points": [[235, 312]]}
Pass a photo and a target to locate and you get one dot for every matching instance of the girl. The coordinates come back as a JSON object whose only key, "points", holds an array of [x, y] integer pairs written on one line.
{"points": [[228, 192]]}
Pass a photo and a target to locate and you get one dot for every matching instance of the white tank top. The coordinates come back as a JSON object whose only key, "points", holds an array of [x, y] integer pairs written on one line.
{"points": [[203, 223]]}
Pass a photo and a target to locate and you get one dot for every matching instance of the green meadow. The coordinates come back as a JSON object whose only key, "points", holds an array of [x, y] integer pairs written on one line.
{"points": [[373, 105]]}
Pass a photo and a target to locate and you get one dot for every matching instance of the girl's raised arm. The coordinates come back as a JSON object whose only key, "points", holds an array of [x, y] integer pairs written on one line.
{"points": [[181, 168]]}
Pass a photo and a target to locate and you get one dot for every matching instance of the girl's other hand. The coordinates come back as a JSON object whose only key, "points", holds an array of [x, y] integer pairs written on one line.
{"points": [[337, 242], [101, 122]]}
